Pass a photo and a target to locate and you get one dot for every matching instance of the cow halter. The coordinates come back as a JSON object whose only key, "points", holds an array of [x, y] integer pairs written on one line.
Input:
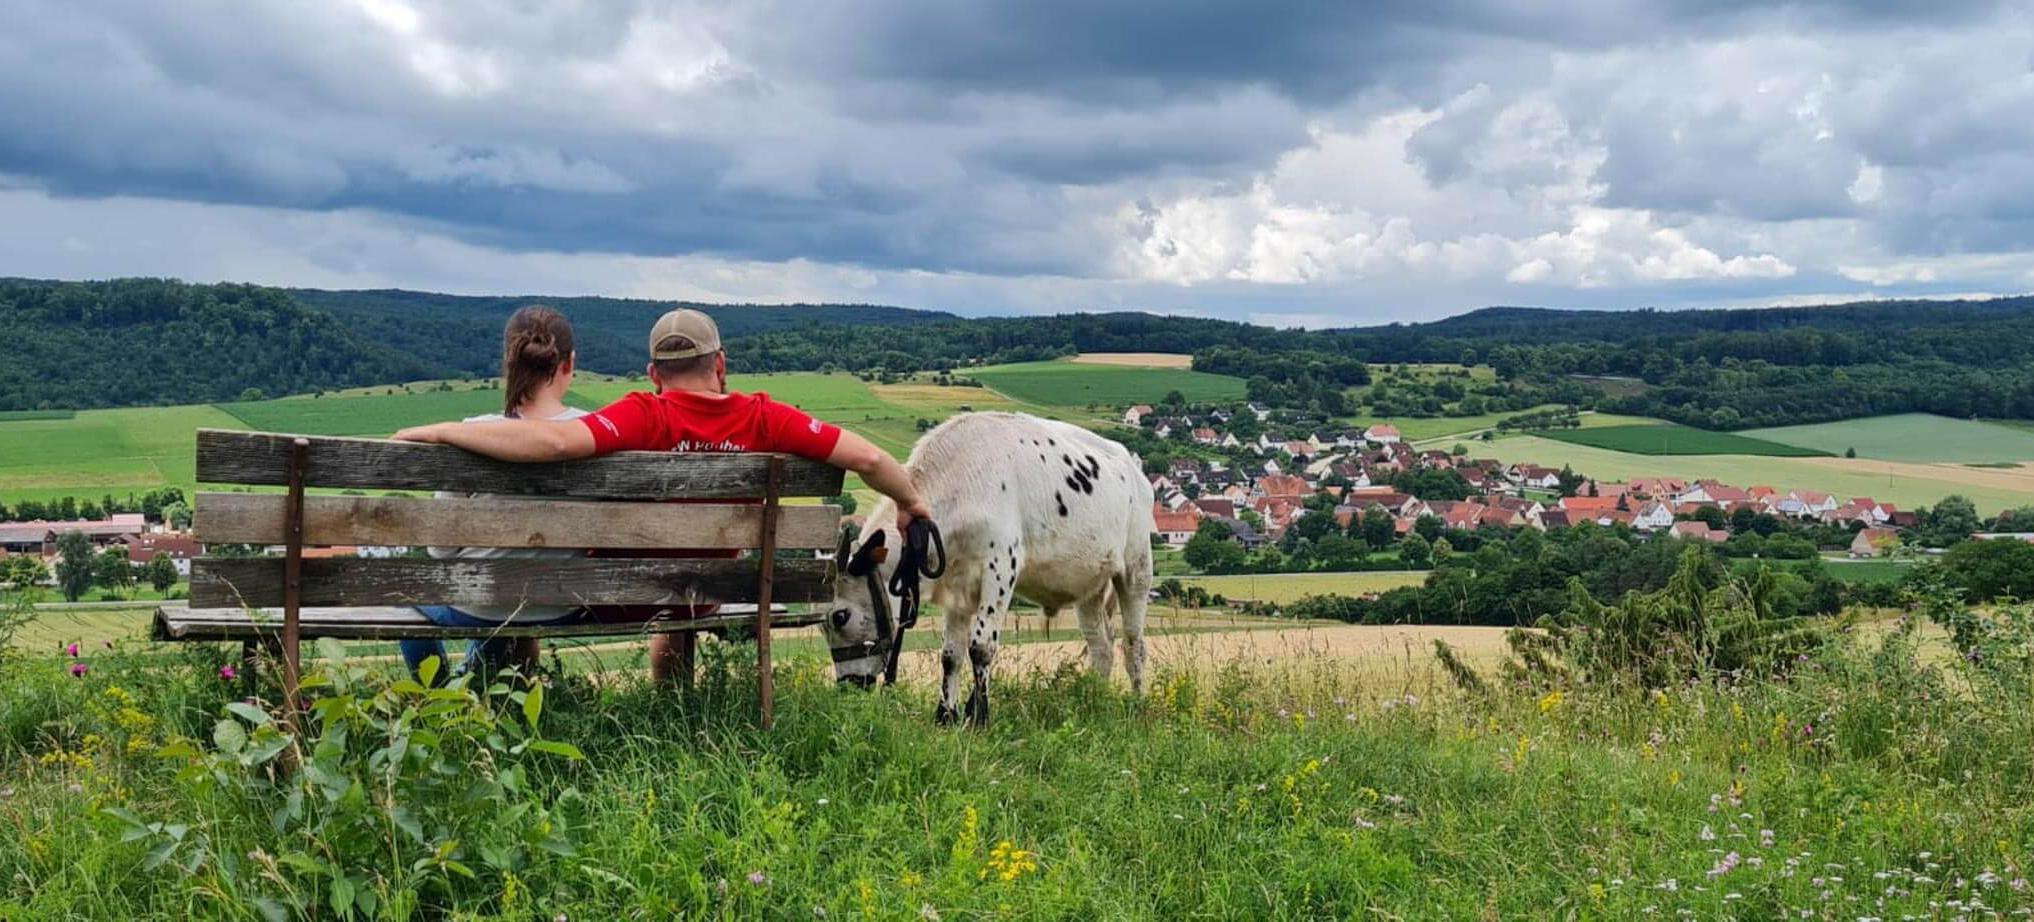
{"points": [[923, 544]]}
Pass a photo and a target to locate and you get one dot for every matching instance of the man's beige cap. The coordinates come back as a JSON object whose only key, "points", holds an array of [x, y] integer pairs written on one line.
{"points": [[682, 334]]}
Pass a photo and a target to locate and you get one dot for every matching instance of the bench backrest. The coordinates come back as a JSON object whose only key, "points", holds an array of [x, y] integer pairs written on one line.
{"points": [[619, 503]]}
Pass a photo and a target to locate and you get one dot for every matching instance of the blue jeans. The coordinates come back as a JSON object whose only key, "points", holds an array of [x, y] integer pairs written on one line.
{"points": [[490, 654]]}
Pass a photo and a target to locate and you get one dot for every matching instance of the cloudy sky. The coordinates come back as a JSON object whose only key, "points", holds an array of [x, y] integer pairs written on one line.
{"points": [[1291, 163]]}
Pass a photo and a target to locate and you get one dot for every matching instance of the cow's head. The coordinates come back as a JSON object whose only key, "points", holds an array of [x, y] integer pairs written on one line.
{"points": [[859, 625]]}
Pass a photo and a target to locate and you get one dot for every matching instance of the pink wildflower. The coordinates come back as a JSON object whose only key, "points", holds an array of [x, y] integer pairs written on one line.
{"points": [[79, 669], [226, 672], [758, 878], [71, 649], [1724, 866]]}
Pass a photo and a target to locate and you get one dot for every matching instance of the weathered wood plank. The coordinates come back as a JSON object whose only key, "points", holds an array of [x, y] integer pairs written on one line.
{"points": [[402, 521], [227, 456], [180, 623], [345, 581]]}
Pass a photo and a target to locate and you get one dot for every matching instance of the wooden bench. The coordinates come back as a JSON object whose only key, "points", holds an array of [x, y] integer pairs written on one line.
{"points": [[618, 503]]}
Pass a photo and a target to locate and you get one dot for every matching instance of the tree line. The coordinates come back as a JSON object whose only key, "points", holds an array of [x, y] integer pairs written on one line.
{"points": [[145, 341]]}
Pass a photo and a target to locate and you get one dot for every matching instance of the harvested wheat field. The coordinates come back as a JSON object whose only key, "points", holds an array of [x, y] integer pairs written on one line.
{"points": [[1369, 651], [1136, 359]]}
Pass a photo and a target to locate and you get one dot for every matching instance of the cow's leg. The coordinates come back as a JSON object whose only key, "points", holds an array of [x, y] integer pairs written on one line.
{"points": [[952, 655], [1094, 615], [1133, 593], [983, 641]]}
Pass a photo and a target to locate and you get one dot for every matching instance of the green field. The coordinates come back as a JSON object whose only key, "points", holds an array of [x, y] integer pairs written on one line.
{"points": [[1906, 485], [1068, 384], [8, 416], [1671, 439], [1280, 588], [136, 449], [1911, 437]]}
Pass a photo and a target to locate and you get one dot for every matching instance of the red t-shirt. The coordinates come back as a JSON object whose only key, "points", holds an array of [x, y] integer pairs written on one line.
{"points": [[686, 421]]}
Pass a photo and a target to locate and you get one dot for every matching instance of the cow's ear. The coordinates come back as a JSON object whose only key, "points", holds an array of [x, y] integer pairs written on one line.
{"points": [[868, 555], [840, 553]]}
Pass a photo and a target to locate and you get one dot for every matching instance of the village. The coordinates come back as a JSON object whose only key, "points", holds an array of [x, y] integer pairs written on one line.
{"points": [[1262, 485]]}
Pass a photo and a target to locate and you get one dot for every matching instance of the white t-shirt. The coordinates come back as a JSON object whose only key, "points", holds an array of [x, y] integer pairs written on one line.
{"points": [[513, 613]]}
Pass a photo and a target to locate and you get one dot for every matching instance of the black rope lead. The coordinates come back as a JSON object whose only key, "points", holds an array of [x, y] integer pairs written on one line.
{"points": [[922, 544]]}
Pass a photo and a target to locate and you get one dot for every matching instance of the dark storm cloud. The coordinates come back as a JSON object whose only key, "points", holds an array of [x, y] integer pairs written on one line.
{"points": [[903, 134]]}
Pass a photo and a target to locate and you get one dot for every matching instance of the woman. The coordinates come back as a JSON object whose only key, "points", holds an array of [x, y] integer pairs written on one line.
{"points": [[536, 369]]}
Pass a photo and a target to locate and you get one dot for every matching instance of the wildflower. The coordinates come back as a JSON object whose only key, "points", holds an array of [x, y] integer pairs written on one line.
{"points": [[1765, 838], [1725, 865], [819, 912], [910, 879], [561, 917], [75, 788], [71, 649], [822, 802], [226, 672], [1551, 701], [926, 912], [79, 669], [1362, 823], [758, 878], [1707, 834]]}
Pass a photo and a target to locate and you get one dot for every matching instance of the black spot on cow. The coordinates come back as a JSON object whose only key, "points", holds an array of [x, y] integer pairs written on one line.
{"points": [[1062, 503], [1051, 442], [1068, 461]]}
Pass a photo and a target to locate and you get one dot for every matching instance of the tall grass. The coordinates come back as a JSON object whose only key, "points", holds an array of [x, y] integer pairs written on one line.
{"points": [[1877, 779]]}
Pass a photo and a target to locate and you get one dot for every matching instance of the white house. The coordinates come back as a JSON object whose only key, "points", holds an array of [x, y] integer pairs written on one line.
{"points": [[1653, 517], [1136, 414], [1382, 434]]}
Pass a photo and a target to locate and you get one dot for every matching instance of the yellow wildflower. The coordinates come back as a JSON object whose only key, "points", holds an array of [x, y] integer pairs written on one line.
{"points": [[1551, 701]]}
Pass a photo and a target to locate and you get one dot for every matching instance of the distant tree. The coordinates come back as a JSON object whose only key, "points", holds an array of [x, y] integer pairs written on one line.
{"points": [[1213, 549], [178, 515], [1428, 526], [1378, 527], [74, 564], [24, 570], [113, 570], [1459, 450], [1442, 551], [162, 573], [1850, 452], [1993, 569], [1417, 552], [252, 394], [1950, 521], [1174, 399]]}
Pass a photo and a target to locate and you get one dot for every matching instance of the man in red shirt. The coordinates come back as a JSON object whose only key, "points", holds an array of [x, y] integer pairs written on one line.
{"points": [[691, 410]]}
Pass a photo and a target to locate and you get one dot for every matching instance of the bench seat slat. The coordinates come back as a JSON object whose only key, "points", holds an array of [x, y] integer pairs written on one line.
{"points": [[262, 458], [351, 581], [405, 521], [181, 623]]}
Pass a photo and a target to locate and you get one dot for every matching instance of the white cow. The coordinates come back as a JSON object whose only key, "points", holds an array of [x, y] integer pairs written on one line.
{"points": [[1028, 507]]}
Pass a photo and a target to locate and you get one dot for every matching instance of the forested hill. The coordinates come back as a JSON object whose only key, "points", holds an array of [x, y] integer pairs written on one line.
{"points": [[139, 341], [442, 330], [76, 345]]}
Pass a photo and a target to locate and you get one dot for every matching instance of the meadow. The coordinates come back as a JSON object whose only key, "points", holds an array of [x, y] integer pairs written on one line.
{"points": [[1071, 384], [1281, 588], [1856, 785], [1910, 437], [1671, 439], [1905, 484]]}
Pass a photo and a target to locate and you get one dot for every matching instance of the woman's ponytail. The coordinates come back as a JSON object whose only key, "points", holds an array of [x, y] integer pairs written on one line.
{"points": [[536, 343]]}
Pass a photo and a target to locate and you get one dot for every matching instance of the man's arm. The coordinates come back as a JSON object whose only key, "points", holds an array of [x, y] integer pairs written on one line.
{"points": [[510, 439], [883, 474]]}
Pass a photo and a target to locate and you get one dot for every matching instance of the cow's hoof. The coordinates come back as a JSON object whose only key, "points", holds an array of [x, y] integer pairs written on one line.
{"points": [[946, 716], [978, 711]]}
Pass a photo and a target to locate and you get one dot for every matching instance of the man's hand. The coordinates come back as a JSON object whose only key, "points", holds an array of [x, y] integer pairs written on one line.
{"points": [[917, 510]]}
